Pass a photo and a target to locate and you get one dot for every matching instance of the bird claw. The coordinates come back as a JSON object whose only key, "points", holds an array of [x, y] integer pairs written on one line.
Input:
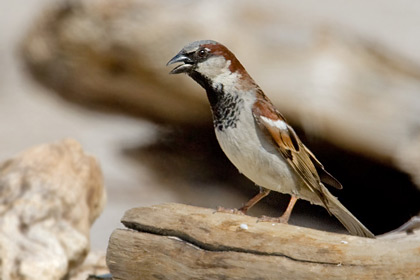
{"points": [[229, 210], [268, 219]]}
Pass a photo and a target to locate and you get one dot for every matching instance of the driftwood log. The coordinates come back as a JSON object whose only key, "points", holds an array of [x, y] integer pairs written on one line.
{"points": [[174, 241]]}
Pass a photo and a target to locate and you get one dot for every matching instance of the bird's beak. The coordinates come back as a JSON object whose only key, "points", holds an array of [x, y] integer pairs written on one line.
{"points": [[183, 68]]}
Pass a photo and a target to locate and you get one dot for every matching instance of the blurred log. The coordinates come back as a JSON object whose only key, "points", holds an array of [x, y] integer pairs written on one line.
{"points": [[175, 241], [337, 86]]}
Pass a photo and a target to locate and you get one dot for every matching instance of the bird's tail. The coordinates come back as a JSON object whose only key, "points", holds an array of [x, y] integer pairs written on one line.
{"points": [[350, 222]]}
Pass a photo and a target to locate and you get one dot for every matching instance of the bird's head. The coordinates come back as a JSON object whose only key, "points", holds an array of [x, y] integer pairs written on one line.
{"points": [[208, 62]]}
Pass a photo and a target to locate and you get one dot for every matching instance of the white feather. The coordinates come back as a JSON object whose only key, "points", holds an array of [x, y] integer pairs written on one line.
{"points": [[276, 123]]}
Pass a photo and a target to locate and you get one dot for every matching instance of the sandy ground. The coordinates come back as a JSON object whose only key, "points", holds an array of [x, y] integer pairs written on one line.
{"points": [[29, 115]]}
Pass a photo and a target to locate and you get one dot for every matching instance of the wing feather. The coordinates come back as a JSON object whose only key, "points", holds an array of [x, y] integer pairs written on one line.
{"points": [[325, 176], [303, 161], [289, 145]]}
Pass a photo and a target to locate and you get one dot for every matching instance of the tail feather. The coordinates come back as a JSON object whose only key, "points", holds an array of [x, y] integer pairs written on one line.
{"points": [[350, 222]]}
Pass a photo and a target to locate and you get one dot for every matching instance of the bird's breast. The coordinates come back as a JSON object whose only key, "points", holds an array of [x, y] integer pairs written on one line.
{"points": [[254, 156]]}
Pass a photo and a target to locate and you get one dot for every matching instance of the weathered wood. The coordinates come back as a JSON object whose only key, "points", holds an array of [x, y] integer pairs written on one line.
{"points": [[174, 241]]}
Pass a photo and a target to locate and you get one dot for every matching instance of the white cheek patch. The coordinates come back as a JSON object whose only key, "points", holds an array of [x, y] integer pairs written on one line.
{"points": [[213, 67], [277, 123], [216, 69]]}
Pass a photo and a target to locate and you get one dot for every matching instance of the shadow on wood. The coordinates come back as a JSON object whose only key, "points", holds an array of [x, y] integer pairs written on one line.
{"points": [[175, 241]]}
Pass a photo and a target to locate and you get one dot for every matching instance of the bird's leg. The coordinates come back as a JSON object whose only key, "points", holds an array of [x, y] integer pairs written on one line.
{"points": [[263, 193], [244, 209], [286, 215]]}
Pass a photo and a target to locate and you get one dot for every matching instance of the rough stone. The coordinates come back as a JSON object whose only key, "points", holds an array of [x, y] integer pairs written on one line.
{"points": [[49, 197], [94, 264]]}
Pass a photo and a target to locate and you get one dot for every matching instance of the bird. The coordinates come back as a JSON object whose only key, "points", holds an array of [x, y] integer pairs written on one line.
{"points": [[256, 137]]}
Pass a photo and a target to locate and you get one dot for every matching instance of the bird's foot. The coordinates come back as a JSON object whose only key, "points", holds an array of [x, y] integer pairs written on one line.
{"points": [[281, 219], [230, 211]]}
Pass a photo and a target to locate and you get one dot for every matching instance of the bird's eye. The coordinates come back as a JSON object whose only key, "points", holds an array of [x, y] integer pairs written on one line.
{"points": [[202, 53]]}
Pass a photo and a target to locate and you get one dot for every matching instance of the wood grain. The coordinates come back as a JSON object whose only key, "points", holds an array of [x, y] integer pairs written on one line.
{"points": [[174, 241]]}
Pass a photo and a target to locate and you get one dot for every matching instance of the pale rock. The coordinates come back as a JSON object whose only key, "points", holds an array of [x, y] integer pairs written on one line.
{"points": [[94, 264], [49, 197]]}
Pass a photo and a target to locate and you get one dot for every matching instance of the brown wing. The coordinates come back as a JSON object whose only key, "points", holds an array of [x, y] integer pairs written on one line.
{"points": [[325, 176], [288, 144], [307, 167]]}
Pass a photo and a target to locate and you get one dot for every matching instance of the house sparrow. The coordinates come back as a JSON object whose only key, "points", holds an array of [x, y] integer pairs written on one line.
{"points": [[256, 137]]}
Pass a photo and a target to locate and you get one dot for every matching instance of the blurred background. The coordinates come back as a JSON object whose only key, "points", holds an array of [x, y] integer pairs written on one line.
{"points": [[346, 75]]}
